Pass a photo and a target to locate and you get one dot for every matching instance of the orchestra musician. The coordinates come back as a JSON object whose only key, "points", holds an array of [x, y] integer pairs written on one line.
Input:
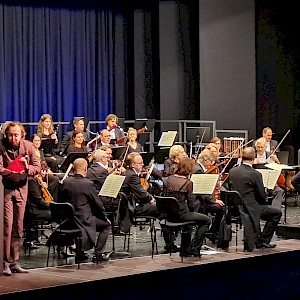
{"points": [[248, 182], [217, 141], [176, 154], [134, 146], [89, 209], [211, 203], [116, 132], [271, 144], [49, 141], [76, 143], [262, 157], [15, 191], [178, 185], [79, 125]]}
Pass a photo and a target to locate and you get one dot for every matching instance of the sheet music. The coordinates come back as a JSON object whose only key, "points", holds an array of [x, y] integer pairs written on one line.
{"points": [[280, 167], [270, 177], [167, 138], [112, 185], [204, 184]]}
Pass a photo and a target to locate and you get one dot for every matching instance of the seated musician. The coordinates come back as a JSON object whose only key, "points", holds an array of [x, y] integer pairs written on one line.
{"points": [[51, 182], [263, 157], [179, 186], [134, 146], [111, 123], [211, 204], [49, 141], [217, 141], [76, 143], [248, 182], [271, 144], [176, 154], [78, 125], [89, 209]]}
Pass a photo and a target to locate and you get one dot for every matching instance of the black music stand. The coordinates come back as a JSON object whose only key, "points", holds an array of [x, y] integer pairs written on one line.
{"points": [[147, 156], [118, 151], [143, 137], [161, 154], [233, 162], [70, 159]]}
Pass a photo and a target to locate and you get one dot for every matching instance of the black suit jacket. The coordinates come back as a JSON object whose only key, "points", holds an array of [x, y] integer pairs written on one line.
{"points": [[132, 186], [248, 182], [82, 194]]}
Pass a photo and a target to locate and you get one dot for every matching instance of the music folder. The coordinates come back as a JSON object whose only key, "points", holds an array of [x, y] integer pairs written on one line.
{"points": [[112, 185], [16, 165], [70, 159]]}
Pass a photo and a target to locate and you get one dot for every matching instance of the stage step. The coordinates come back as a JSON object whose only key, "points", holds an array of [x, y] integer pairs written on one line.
{"points": [[288, 231]]}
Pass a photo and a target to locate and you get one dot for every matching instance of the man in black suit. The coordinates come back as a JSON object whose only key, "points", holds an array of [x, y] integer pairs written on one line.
{"points": [[262, 156], [248, 182], [82, 194], [142, 202], [270, 144]]}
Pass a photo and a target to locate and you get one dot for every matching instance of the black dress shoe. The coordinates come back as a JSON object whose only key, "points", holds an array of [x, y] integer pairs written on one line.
{"points": [[171, 248], [265, 245], [100, 258], [30, 245], [192, 253]]}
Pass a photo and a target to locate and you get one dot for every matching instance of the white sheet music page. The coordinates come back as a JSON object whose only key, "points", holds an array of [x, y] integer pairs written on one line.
{"points": [[167, 139], [204, 184], [112, 185], [280, 167], [270, 177]]}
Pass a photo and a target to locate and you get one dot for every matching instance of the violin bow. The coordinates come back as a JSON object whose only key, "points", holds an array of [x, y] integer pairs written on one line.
{"points": [[280, 142], [232, 155], [199, 144]]}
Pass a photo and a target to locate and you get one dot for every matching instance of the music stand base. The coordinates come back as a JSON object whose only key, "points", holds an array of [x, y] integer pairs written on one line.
{"points": [[118, 255]]}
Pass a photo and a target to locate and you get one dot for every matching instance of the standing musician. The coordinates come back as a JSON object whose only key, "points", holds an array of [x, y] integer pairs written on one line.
{"points": [[212, 203], [262, 157], [248, 182], [49, 141], [15, 185], [176, 154], [78, 125], [111, 123]]}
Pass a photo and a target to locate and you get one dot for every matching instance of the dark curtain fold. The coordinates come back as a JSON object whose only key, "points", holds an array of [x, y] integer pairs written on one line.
{"points": [[56, 60]]}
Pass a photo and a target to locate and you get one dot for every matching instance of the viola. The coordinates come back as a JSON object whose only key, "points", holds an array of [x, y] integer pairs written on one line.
{"points": [[45, 193], [125, 138]]}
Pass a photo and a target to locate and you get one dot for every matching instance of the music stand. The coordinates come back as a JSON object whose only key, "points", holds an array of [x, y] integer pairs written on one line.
{"points": [[118, 151], [70, 159], [147, 156], [230, 165], [143, 138], [161, 155]]}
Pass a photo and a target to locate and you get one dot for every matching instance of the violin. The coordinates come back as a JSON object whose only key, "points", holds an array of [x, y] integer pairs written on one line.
{"points": [[125, 138], [45, 192], [144, 181]]}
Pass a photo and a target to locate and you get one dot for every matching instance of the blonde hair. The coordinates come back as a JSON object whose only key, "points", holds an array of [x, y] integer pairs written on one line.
{"points": [[175, 150]]}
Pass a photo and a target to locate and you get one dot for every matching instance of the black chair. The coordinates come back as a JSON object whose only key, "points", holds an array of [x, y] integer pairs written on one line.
{"points": [[116, 214], [232, 200], [140, 220], [67, 231], [168, 206]]}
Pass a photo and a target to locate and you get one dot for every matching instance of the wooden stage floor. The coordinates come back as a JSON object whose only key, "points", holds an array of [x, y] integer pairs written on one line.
{"points": [[144, 277]]}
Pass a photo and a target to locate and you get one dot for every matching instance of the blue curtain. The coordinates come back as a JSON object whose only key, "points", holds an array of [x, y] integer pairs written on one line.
{"points": [[55, 60]]}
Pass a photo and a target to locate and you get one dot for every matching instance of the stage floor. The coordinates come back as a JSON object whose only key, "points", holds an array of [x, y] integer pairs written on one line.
{"points": [[61, 276]]}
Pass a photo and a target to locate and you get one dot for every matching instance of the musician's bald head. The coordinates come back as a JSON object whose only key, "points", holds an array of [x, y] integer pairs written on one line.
{"points": [[80, 166], [248, 154]]}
